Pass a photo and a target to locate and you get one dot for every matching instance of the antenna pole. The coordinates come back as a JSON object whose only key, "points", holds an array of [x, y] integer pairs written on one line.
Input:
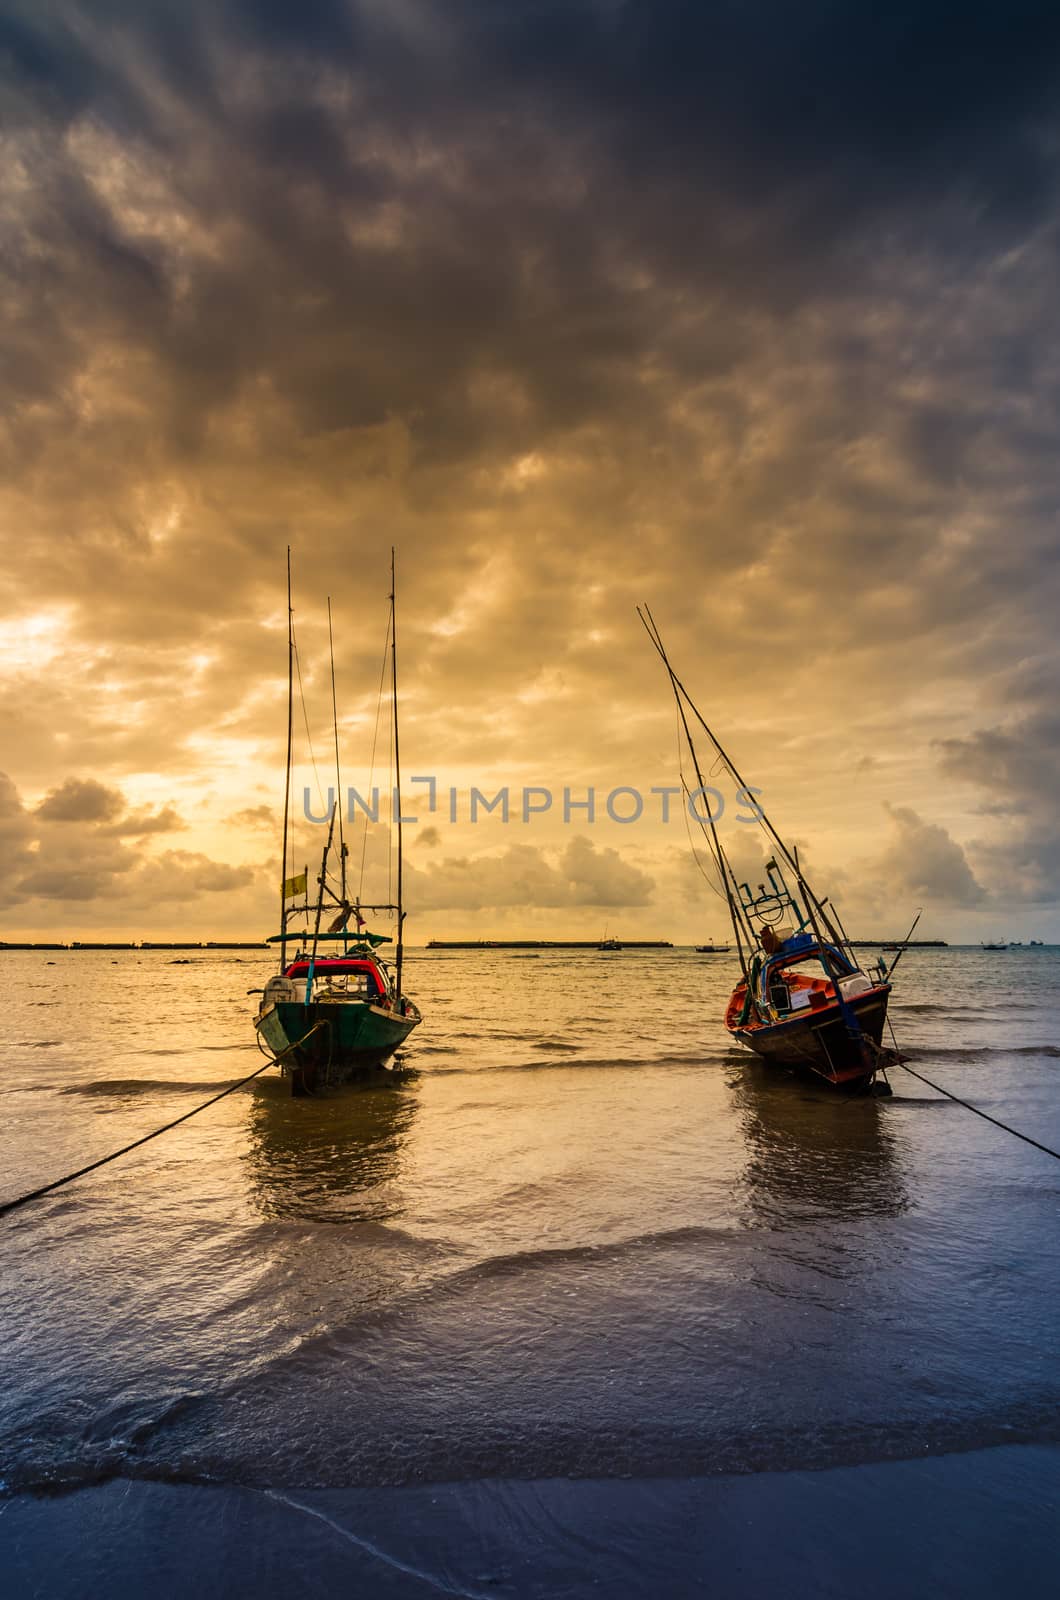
{"points": [[397, 772], [287, 781]]}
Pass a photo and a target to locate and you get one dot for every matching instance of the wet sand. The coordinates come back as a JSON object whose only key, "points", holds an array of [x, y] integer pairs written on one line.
{"points": [[976, 1524]]}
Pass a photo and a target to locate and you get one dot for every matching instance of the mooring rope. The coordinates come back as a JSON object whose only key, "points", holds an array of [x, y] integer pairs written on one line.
{"points": [[984, 1114], [60, 1183]]}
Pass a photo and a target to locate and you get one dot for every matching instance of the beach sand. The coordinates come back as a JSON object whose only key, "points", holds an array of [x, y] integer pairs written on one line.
{"points": [[975, 1524]]}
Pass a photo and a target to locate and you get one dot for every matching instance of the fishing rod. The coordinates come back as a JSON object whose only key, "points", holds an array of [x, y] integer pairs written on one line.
{"points": [[889, 972]]}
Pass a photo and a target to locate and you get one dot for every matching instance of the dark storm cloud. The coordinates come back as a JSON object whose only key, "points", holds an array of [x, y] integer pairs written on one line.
{"points": [[1014, 768], [522, 153]]}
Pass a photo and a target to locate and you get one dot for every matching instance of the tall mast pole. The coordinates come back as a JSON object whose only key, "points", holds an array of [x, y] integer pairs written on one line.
{"points": [[719, 854], [287, 781], [835, 935], [338, 774], [397, 770]]}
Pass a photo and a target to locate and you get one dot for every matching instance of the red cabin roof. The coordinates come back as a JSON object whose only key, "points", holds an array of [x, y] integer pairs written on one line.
{"points": [[337, 966]]}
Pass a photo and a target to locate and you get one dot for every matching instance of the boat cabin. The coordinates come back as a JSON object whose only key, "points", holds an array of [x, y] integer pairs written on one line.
{"points": [[353, 977], [798, 974]]}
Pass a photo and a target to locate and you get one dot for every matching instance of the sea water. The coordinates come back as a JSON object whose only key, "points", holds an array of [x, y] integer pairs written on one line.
{"points": [[579, 1236]]}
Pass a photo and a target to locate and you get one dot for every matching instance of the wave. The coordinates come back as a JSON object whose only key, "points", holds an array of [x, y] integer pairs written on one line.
{"points": [[524, 1450], [972, 1052], [145, 1086], [933, 1008], [707, 1060]]}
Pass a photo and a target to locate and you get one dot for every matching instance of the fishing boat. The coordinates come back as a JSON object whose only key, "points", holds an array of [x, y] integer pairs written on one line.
{"points": [[803, 1000], [993, 944], [713, 949], [331, 1015], [609, 944]]}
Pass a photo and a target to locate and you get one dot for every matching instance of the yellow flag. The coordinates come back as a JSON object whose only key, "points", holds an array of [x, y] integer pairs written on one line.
{"points": [[293, 886]]}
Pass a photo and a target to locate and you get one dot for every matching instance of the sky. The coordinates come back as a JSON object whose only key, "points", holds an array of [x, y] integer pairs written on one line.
{"points": [[748, 312]]}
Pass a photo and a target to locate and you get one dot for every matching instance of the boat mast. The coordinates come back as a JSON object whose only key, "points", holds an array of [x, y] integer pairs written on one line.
{"points": [[834, 933], [397, 773], [338, 774], [719, 854], [287, 781]]}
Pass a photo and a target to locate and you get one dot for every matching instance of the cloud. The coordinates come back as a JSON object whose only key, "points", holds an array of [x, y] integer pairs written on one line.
{"points": [[139, 824], [81, 800], [70, 849], [749, 311], [923, 862], [253, 817], [525, 876], [16, 835], [1015, 768], [87, 800]]}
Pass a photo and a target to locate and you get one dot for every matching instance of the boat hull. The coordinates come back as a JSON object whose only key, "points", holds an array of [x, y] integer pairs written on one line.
{"points": [[326, 1042], [821, 1042]]}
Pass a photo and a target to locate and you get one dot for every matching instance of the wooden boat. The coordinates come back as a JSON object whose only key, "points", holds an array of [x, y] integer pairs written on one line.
{"points": [[996, 944], [713, 949], [803, 1000], [609, 944], [331, 1018], [326, 1018]]}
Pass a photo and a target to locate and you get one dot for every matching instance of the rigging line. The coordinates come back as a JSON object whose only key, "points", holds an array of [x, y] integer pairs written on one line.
{"points": [[975, 1109], [695, 856], [393, 829], [723, 865], [371, 767], [36, 1194], [305, 713], [684, 809]]}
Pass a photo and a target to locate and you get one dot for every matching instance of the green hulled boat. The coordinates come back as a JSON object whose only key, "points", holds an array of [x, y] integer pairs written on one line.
{"points": [[327, 1018], [333, 1018]]}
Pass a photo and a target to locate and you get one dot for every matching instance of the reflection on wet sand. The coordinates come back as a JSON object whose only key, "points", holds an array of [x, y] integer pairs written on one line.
{"points": [[336, 1159], [812, 1153]]}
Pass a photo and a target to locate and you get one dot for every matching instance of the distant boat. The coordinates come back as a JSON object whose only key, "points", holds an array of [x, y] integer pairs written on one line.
{"points": [[1037, 942], [713, 949], [325, 1018], [609, 944], [996, 944], [802, 1001]]}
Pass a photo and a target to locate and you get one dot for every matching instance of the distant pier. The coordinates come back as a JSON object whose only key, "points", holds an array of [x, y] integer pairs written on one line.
{"points": [[79, 944], [899, 944], [544, 944]]}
